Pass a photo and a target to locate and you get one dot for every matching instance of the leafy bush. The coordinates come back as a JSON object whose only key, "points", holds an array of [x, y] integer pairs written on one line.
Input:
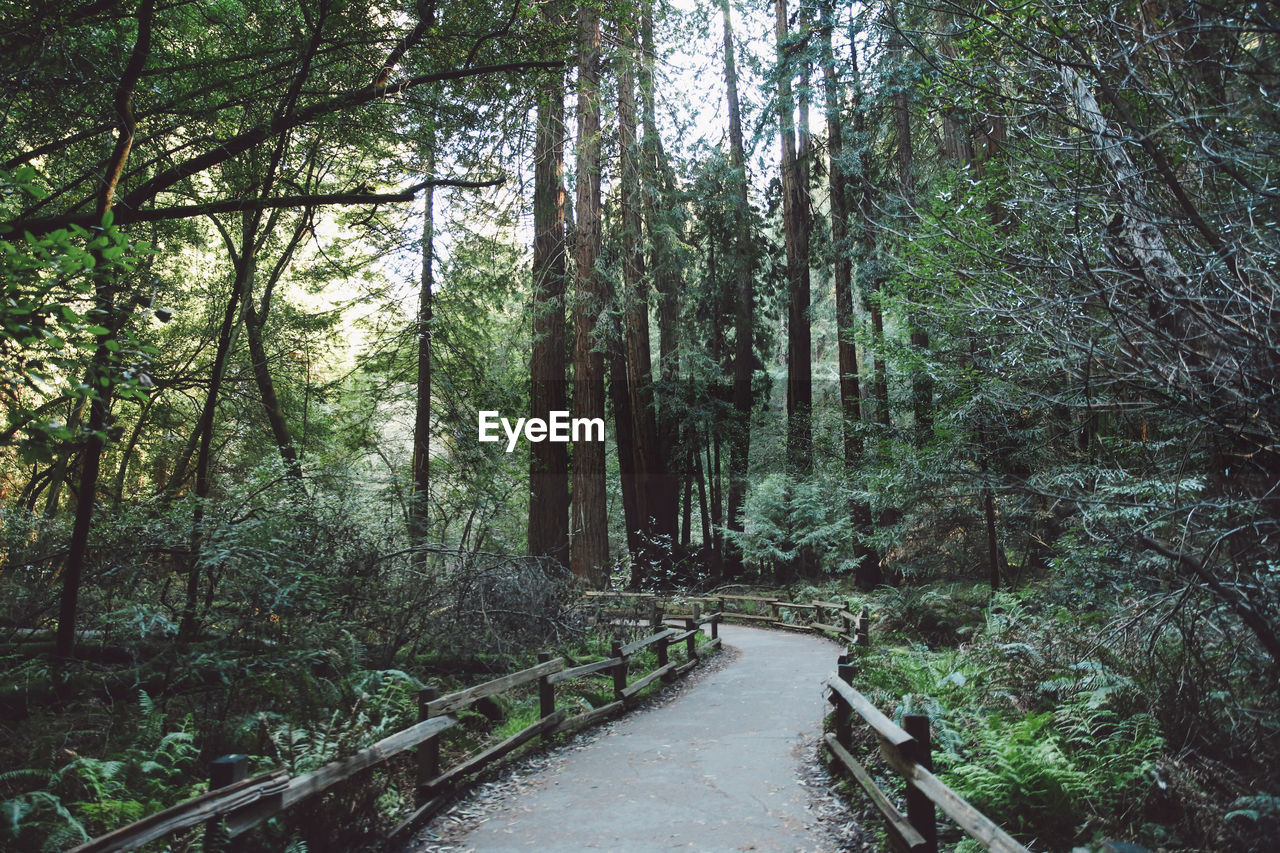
{"points": [[89, 796]]}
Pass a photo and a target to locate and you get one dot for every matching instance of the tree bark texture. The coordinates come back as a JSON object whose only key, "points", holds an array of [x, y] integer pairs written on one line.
{"points": [[589, 530], [795, 216], [744, 300], [548, 532]]}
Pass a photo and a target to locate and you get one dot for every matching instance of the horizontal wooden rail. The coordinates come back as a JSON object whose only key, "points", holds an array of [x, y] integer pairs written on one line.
{"points": [[309, 784], [584, 669], [589, 718], [463, 698], [631, 648], [487, 756], [885, 727], [187, 814], [754, 617], [641, 683]]}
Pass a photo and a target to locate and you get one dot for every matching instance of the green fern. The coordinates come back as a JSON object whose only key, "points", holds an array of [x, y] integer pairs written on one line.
{"points": [[1023, 779]]}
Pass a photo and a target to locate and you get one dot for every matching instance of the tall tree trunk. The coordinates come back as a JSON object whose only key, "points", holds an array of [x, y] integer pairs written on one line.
{"points": [[870, 269], [624, 440], [649, 464], [744, 302], [921, 381], [687, 505], [420, 498], [867, 570], [715, 474], [548, 460], [245, 269], [98, 378], [589, 546], [704, 512], [255, 319], [664, 267], [62, 465], [795, 215]]}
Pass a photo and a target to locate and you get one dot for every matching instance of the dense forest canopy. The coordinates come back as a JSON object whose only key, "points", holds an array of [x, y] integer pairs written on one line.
{"points": [[966, 308]]}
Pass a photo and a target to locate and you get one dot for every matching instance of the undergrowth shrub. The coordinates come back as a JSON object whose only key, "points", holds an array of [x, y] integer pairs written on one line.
{"points": [[88, 796]]}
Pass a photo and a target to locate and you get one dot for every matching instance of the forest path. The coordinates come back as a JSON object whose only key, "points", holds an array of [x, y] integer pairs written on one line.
{"points": [[717, 768]]}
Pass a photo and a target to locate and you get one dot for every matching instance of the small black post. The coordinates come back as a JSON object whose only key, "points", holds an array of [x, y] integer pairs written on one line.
{"points": [[223, 771], [862, 632], [619, 669], [546, 695], [429, 749], [920, 809], [843, 713], [715, 624], [691, 644]]}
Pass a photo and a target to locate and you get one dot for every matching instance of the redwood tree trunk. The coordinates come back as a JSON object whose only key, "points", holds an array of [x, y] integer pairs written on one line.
{"points": [[589, 545], [921, 382], [419, 500], [549, 461], [867, 571], [649, 464], [744, 303], [795, 217], [664, 266]]}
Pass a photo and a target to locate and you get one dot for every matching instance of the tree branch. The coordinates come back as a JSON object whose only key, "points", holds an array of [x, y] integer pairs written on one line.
{"points": [[233, 205], [127, 208]]}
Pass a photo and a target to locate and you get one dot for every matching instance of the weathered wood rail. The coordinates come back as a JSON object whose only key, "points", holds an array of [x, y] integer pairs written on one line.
{"points": [[831, 618], [906, 749], [235, 804]]}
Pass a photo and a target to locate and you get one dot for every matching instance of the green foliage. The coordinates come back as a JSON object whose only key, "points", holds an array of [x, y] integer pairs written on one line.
{"points": [[51, 322], [1041, 740], [784, 517], [88, 796], [385, 702]]}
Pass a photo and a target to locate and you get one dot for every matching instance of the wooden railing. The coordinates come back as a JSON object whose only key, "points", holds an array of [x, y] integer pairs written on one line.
{"points": [[907, 749], [825, 617], [235, 804]]}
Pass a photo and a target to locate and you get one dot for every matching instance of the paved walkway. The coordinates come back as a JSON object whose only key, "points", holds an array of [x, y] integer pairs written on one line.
{"points": [[716, 769]]}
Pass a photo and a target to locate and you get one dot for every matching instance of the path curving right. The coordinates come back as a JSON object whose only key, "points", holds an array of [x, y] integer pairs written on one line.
{"points": [[716, 769]]}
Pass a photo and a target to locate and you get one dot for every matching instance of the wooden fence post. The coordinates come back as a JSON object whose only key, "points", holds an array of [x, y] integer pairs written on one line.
{"points": [[773, 610], [655, 616], [691, 644], [664, 658], [429, 749], [920, 809], [697, 610], [619, 669], [546, 696], [843, 713], [223, 771], [862, 630], [715, 625]]}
